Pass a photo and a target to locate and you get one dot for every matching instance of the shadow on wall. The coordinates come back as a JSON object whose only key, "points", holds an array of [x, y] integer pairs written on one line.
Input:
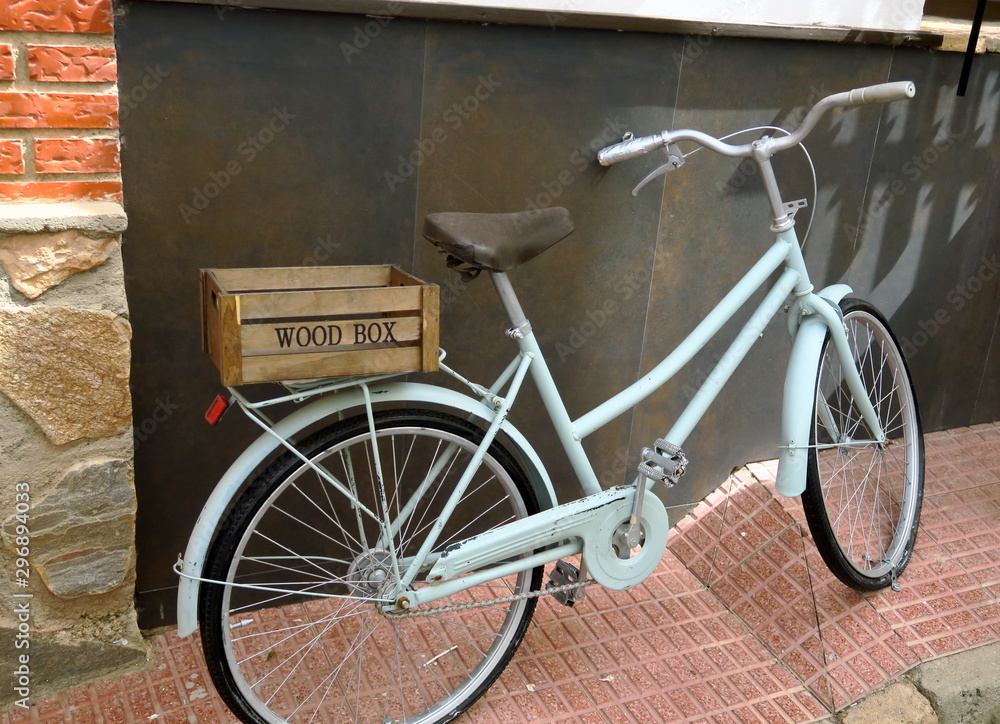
{"points": [[292, 138]]}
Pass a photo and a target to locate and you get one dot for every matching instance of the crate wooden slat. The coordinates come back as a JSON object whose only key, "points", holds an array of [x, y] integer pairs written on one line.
{"points": [[319, 302], [293, 323], [340, 364], [307, 277]]}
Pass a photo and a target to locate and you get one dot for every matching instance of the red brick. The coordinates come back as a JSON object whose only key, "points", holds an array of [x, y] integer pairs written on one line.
{"points": [[60, 191], [6, 63], [57, 16], [58, 110], [76, 155], [72, 63], [11, 156]]}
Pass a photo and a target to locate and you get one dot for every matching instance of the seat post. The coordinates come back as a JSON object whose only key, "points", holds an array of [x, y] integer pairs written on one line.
{"points": [[520, 325]]}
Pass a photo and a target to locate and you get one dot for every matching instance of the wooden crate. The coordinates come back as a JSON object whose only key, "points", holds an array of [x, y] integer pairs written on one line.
{"points": [[295, 323]]}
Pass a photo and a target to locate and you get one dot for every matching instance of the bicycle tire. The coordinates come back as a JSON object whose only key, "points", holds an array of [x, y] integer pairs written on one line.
{"points": [[862, 503], [326, 652]]}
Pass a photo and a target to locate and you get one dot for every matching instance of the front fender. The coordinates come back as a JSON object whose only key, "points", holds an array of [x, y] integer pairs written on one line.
{"points": [[190, 567], [800, 389]]}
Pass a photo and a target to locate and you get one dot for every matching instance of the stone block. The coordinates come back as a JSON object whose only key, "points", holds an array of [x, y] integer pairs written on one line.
{"points": [[964, 687], [98, 218], [83, 530], [68, 369], [61, 660], [38, 262]]}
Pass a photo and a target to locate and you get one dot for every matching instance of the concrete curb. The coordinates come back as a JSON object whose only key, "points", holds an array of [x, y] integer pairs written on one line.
{"points": [[963, 688]]}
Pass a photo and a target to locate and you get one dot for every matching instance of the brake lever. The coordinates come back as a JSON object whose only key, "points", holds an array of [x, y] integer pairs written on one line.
{"points": [[675, 159]]}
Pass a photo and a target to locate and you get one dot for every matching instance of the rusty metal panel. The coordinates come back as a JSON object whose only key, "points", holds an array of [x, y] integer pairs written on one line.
{"points": [[262, 138], [250, 138]]}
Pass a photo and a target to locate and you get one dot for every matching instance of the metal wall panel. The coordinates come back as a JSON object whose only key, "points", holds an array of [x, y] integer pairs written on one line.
{"points": [[281, 138], [311, 192], [715, 225]]}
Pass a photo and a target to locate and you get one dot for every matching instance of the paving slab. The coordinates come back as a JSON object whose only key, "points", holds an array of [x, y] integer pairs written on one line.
{"points": [[741, 622]]}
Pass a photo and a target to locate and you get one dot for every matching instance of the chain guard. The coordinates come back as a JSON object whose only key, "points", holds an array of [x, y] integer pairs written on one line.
{"points": [[602, 560]]}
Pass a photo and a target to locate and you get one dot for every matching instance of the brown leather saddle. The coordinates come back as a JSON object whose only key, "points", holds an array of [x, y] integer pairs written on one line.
{"points": [[497, 242]]}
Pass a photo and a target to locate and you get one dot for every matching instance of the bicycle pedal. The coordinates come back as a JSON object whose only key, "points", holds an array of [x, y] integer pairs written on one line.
{"points": [[665, 463], [563, 574]]}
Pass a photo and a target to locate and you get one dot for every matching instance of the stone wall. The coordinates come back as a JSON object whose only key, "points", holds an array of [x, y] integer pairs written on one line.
{"points": [[67, 496]]}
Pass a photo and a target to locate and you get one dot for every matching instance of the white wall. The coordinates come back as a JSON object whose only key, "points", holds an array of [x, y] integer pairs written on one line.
{"points": [[875, 14]]}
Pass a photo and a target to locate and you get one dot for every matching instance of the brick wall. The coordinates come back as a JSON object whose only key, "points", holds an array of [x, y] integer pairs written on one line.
{"points": [[58, 102], [66, 446]]}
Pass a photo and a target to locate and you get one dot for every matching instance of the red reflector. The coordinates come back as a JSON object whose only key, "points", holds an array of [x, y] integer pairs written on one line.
{"points": [[215, 410]]}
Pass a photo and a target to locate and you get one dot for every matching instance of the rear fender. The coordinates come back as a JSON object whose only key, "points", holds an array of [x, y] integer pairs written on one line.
{"points": [[190, 567]]}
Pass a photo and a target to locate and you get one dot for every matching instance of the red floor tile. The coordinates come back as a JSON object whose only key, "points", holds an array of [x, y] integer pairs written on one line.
{"points": [[741, 622]]}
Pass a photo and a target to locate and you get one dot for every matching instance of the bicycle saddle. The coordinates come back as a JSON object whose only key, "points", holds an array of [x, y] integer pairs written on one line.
{"points": [[497, 242]]}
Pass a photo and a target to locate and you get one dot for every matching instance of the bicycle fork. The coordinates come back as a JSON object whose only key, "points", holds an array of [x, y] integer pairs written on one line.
{"points": [[812, 318]]}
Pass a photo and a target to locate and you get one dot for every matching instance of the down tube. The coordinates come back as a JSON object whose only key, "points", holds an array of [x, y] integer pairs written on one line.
{"points": [[750, 333]]}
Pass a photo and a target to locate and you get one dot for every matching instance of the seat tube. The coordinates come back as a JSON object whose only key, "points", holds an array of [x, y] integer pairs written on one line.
{"points": [[520, 331], [518, 322]]}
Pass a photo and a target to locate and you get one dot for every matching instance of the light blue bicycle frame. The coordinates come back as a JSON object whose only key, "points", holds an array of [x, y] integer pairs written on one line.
{"points": [[587, 525], [571, 526], [591, 524]]}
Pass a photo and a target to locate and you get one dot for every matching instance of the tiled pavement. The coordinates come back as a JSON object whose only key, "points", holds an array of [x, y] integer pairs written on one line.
{"points": [[740, 623]]}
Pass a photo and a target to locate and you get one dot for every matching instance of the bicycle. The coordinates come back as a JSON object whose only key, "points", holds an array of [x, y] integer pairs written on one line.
{"points": [[385, 568]]}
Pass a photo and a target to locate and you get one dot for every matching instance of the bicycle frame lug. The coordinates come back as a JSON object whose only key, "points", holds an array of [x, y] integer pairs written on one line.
{"points": [[519, 331]]}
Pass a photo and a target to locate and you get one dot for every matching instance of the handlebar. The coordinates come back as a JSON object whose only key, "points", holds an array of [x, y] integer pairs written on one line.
{"points": [[881, 93], [631, 148]]}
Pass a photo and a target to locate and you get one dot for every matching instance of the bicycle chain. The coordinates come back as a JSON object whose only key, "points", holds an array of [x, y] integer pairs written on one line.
{"points": [[492, 601]]}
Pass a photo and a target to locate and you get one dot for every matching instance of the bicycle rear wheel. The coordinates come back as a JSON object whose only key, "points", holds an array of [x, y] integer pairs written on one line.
{"points": [[862, 502], [298, 635]]}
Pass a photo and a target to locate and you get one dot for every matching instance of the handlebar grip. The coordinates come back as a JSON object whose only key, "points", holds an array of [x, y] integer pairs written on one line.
{"points": [[630, 149], [882, 93]]}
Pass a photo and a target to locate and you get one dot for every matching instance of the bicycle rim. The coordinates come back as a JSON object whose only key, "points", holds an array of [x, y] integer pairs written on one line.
{"points": [[316, 647], [870, 496]]}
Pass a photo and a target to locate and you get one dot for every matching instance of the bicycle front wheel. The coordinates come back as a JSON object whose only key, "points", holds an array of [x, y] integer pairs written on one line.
{"points": [[862, 500], [295, 632]]}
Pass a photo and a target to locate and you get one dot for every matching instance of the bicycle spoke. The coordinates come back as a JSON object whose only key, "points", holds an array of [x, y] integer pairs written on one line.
{"points": [[347, 661], [862, 506]]}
